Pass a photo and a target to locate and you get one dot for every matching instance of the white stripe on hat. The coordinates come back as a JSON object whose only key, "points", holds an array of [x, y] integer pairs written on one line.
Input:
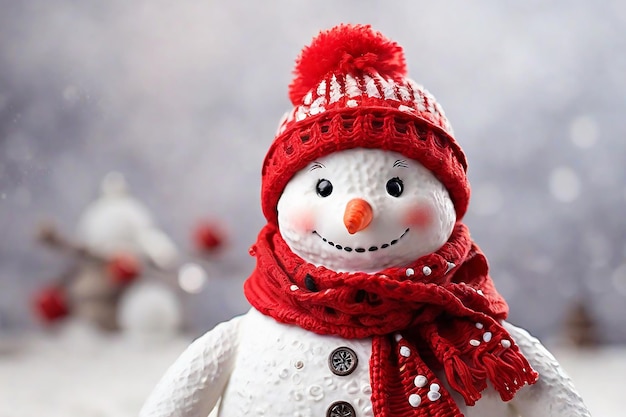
{"points": [[318, 106], [370, 87], [335, 90], [418, 94], [308, 98], [301, 113], [433, 106], [321, 88], [352, 87], [405, 95], [388, 86]]}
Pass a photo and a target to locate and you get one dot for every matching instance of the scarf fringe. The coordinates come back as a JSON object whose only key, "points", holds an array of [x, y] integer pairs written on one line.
{"points": [[466, 381], [468, 368], [508, 372]]}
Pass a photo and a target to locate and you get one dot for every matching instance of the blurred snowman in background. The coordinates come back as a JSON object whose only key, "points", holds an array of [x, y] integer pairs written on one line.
{"points": [[126, 275]]}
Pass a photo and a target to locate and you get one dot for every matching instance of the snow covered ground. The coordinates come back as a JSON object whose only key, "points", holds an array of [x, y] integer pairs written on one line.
{"points": [[81, 373], [77, 372]]}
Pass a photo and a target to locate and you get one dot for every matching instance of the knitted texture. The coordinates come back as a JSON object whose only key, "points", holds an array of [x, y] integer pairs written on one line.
{"points": [[446, 318], [351, 90]]}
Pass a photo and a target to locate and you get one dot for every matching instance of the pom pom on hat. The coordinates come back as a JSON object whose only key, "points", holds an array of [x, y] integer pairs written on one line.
{"points": [[349, 49]]}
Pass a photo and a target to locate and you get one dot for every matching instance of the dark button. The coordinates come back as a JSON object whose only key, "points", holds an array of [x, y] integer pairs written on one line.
{"points": [[340, 409], [309, 283], [342, 361]]}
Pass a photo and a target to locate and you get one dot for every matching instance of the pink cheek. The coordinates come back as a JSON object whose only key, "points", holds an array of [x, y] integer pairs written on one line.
{"points": [[420, 216], [302, 221]]}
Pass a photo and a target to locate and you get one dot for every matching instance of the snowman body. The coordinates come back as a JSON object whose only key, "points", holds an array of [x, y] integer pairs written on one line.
{"points": [[255, 366], [283, 370]]}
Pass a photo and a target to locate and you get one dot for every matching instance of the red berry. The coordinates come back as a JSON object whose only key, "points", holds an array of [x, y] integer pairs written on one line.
{"points": [[208, 237], [51, 304], [123, 268]]}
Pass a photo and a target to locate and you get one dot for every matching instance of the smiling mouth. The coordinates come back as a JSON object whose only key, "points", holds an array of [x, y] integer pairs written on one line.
{"points": [[361, 250]]}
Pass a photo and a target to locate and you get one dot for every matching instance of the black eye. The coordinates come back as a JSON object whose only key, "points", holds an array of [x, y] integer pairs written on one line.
{"points": [[395, 187], [324, 188]]}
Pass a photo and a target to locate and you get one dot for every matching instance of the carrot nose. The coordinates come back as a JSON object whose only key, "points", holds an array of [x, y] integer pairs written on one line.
{"points": [[358, 215]]}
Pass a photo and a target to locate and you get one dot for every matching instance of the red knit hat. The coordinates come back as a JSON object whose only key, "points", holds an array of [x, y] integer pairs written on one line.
{"points": [[351, 90]]}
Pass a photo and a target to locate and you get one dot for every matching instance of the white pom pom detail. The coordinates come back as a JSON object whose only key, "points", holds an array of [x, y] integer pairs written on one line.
{"points": [[420, 381], [415, 400], [434, 395]]}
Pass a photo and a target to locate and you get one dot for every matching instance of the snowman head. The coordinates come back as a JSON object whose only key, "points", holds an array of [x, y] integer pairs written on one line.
{"points": [[365, 160], [364, 210], [118, 223]]}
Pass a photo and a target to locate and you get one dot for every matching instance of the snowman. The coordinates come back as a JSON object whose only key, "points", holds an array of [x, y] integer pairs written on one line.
{"points": [[117, 239], [369, 297], [119, 227]]}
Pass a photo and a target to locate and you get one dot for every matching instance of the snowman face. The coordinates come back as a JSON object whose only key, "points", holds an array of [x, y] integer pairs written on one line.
{"points": [[364, 210]]}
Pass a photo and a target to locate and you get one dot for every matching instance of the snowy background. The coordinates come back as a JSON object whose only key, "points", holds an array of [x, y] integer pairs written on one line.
{"points": [[183, 98]]}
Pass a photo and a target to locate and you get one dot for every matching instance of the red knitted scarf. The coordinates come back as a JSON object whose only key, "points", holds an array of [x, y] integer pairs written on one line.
{"points": [[442, 311]]}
